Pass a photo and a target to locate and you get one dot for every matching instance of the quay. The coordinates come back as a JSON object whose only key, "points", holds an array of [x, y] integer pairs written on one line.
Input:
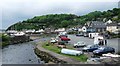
{"points": [[49, 56]]}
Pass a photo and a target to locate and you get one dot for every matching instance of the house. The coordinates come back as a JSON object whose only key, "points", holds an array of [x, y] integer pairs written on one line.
{"points": [[94, 26], [113, 27], [11, 31], [98, 26], [30, 31], [60, 30], [108, 22], [39, 31], [87, 29], [80, 28], [49, 30]]}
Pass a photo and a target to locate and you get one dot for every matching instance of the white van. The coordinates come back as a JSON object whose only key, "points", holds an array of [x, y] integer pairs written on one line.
{"points": [[92, 35], [71, 52]]}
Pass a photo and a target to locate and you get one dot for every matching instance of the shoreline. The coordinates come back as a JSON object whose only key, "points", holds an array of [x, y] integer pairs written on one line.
{"points": [[49, 56]]}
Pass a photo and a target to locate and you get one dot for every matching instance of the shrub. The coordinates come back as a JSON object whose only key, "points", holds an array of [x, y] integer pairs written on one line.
{"points": [[47, 44]]}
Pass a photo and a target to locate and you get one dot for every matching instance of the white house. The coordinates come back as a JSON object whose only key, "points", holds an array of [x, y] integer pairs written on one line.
{"points": [[30, 31], [79, 29], [87, 29], [113, 27], [108, 22], [60, 30], [84, 29], [19, 34], [40, 30], [12, 31]]}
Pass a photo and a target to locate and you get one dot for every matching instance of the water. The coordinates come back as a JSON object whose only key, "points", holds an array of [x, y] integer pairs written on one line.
{"points": [[20, 54]]}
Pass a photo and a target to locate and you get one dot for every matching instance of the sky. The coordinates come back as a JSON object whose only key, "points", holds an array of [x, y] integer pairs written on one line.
{"points": [[13, 11]]}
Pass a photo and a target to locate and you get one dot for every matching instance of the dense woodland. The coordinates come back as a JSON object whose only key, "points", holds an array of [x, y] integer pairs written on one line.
{"points": [[66, 20]]}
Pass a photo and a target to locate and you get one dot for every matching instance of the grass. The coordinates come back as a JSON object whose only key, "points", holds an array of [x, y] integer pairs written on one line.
{"points": [[54, 48], [51, 47]]}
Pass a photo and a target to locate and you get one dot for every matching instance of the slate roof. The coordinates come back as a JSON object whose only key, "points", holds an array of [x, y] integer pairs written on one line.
{"points": [[97, 24], [113, 24]]}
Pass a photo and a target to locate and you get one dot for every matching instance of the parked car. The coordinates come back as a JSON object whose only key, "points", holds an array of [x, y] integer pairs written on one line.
{"points": [[91, 48], [103, 50], [80, 34], [53, 40], [71, 52], [62, 42], [65, 39], [63, 36], [79, 44], [93, 35], [85, 35]]}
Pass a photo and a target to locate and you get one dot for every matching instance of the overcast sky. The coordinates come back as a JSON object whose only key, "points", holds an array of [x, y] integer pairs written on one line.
{"points": [[18, 10]]}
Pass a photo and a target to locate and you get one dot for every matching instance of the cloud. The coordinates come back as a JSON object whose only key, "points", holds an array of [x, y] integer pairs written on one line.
{"points": [[17, 10]]}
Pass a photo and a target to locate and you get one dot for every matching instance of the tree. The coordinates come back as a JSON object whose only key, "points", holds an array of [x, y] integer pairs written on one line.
{"points": [[66, 20], [65, 23]]}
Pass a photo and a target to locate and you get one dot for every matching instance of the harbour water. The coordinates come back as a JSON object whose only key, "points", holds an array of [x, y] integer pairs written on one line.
{"points": [[20, 54]]}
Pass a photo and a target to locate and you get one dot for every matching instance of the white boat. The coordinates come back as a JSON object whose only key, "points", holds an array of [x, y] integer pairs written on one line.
{"points": [[71, 52]]}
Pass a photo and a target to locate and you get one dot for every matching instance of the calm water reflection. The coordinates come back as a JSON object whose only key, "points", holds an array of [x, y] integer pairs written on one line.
{"points": [[20, 54]]}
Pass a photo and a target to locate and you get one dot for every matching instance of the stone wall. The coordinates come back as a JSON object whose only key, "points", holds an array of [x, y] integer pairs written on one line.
{"points": [[19, 39], [47, 57]]}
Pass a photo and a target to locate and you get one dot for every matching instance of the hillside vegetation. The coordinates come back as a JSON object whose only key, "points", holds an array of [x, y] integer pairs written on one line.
{"points": [[66, 20], [4, 40]]}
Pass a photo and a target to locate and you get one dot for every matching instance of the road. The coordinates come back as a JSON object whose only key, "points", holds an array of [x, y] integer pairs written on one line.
{"points": [[110, 42]]}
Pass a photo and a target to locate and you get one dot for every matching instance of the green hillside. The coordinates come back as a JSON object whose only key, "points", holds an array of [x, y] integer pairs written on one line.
{"points": [[66, 20]]}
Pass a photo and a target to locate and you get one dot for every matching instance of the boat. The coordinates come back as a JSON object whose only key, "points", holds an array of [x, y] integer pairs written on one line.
{"points": [[71, 52]]}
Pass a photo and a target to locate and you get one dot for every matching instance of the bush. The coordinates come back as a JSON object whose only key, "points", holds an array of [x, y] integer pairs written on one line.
{"points": [[5, 40], [47, 44], [5, 37]]}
